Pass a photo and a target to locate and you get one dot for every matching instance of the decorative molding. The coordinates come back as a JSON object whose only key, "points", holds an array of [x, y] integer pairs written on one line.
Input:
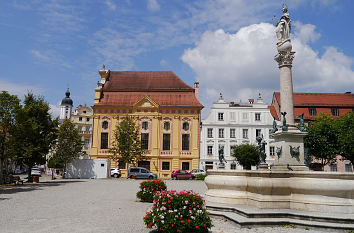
{"points": [[285, 58]]}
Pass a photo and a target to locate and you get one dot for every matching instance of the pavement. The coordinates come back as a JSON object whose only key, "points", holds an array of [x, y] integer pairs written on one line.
{"points": [[96, 205]]}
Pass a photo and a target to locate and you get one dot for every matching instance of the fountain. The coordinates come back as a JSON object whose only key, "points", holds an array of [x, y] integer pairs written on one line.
{"points": [[288, 193]]}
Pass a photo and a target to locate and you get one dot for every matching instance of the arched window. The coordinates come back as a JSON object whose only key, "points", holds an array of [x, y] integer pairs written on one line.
{"points": [[185, 126], [166, 125], [145, 125], [105, 125]]}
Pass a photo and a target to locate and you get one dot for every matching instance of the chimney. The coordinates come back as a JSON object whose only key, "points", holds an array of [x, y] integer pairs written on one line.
{"points": [[196, 89], [251, 101]]}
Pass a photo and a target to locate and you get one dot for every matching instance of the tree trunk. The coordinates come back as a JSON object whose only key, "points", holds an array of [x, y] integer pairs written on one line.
{"points": [[1, 170], [52, 173]]}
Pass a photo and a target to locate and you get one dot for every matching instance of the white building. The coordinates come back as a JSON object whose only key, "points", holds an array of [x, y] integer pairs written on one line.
{"points": [[66, 107], [232, 124]]}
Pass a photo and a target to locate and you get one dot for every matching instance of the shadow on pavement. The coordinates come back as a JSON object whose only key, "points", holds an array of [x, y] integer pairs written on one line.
{"points": [[27, 187]]}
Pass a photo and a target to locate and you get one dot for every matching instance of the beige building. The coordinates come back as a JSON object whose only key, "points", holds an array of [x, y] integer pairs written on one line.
{"points": [[82, 118]]}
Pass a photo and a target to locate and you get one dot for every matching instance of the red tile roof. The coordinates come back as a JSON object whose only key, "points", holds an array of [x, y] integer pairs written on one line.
{"points": [[273, 112], [321, 99], [163, 99], [144, 80]]}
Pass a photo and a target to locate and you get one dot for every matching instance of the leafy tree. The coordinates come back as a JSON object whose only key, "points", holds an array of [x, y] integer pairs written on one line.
{"points": [[345, 129], [247, 155], [126, 145], [34, 133], [68, 145], [322, 139], [9, 105]]}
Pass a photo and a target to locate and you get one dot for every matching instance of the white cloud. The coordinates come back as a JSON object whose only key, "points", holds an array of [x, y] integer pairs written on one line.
{"points": [[54, 110], [306, 32], [111, 5], [39, 55], [242, 64], [19, 89], [153, 5]]}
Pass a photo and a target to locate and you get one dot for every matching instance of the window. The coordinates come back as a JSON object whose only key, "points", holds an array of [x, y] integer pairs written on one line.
{"points": [[271, 150], [84, 111], [185, 126], [312, 111], [79, 128], [210, 133], [87, 129], [145, 141], [87, 142], [121, 165], [145, 164], [185, 166], [245, 116], [220, 116], [258, 132], [245, 133], [87, 118], [333, 167], [185, 141], [166, 142], [348, 167], [102, 164], [165, 165], [232, 150], [221, 133], [232, 133], [80, 118], [105, 124], [233, 166], [144, 125], [257, 116], [335, 111], [210, 150], [104, 140], [166, 125], [232, 116]]}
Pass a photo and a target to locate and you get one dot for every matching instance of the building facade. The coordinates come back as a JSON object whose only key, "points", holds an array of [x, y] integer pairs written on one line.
{"points": [[167, 111], [230, 124], [82, 118], [311, 105]]}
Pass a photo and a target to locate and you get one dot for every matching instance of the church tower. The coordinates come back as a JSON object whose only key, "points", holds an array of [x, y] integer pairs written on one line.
{"points": [[66, 107]]}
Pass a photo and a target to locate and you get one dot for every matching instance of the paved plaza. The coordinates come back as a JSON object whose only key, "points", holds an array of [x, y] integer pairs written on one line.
{"points": [[106, 205]]}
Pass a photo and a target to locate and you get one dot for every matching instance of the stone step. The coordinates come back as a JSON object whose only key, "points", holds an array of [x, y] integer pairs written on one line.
{"points": [[257, 222]]}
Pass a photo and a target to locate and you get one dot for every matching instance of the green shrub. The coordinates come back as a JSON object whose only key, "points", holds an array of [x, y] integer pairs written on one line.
{"points": [[149, 188], [178, 212], [200, 177]]}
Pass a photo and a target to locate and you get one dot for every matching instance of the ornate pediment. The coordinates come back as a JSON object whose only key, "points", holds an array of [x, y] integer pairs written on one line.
{"points": [[146, 102]]}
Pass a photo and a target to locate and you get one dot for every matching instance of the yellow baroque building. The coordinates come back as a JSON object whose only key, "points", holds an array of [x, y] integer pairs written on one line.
{"points": [[167, 111]]}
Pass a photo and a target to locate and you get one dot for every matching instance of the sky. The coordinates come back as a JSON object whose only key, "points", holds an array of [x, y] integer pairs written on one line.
{"points": [[228, 46]]}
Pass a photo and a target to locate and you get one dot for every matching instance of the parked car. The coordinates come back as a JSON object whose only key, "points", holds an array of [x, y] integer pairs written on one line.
{"points": [[36, 171], [115, 172], [141, 173], [196, 172], [182, 174]]}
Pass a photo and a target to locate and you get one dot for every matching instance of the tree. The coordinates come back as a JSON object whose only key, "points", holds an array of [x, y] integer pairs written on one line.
{"points": [[247, 155], [322, 139], [68, 145], [126, 145], [345, 130], [34, 133], [9, 105]]}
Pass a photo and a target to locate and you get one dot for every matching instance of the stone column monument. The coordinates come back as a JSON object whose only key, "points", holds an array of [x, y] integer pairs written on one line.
{"points": [[288, 140]]}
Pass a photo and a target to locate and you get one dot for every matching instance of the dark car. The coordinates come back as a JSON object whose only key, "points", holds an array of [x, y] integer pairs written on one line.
{"points": [[140, 173], [182, 174]]}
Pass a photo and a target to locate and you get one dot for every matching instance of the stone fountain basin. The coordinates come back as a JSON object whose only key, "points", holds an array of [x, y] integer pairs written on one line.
{"points": [[298, 190]]}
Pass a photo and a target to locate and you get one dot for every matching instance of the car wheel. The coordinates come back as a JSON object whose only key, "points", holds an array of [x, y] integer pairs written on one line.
{"points": [[115, 175], [150, 177], [191, 178], [174, 178]]}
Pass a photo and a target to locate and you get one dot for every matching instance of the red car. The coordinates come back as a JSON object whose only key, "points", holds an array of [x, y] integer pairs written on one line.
{"points": [[182, 174]]}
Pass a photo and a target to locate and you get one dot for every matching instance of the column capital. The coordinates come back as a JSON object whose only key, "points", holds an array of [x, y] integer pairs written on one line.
{"points": [[284, 58]]}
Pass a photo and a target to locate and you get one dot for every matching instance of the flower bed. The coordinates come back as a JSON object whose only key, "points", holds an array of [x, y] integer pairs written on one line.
{"points": [[178, 212], [149, 188]]}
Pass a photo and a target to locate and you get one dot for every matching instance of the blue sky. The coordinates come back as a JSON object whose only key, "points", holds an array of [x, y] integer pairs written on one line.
{"points": [[227, 45]]}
